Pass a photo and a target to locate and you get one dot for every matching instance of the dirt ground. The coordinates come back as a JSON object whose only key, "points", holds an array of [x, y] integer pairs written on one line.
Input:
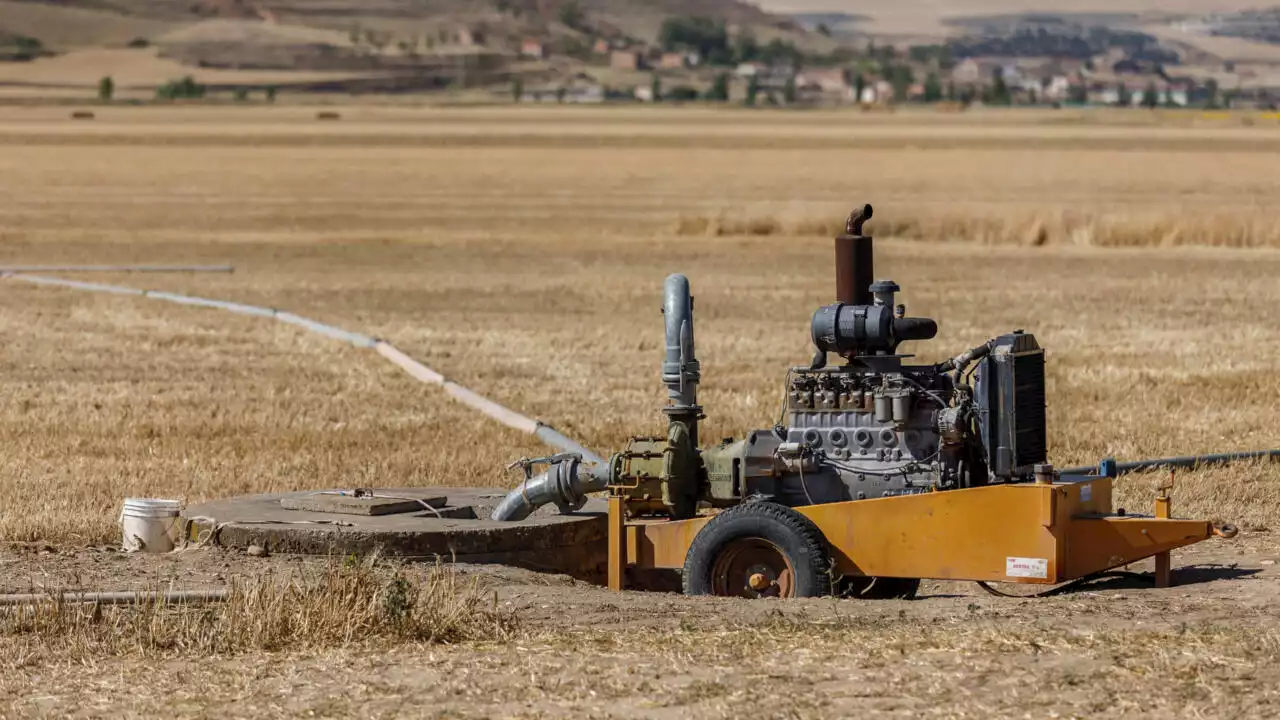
{"points": [[1205, 648], [522, 255]]}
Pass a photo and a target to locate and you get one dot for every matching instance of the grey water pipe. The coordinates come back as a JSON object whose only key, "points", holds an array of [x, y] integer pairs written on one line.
{"points": [[568, 479], [1110, 468], [170, 597], [565, 483], [118, 268], [680, 369]]}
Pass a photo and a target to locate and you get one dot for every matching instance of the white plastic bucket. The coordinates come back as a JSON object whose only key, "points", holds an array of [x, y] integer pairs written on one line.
{"points": [[150, 524]]}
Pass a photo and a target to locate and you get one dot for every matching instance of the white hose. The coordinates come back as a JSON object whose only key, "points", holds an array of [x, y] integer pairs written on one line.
{"points": [[413, 368]]}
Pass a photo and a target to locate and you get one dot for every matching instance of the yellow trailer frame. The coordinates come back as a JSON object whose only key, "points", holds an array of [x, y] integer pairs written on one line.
{"points": [[1037, 533]]}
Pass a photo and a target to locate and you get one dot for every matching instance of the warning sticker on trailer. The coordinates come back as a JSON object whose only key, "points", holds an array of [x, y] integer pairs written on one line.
{"points": [[1086, 493], [1016, 567]]}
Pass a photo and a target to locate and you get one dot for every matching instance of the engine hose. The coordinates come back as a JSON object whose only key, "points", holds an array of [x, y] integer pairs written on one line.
{"points": [[1067, 586]]}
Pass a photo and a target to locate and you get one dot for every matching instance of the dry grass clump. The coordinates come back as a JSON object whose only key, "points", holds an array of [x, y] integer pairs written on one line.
{"points": [[1244, 494], [1012, 227], [340, 604]]}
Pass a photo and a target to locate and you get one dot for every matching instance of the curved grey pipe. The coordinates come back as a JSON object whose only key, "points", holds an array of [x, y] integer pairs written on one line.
{"points": [[680, 370], [566, 484]]}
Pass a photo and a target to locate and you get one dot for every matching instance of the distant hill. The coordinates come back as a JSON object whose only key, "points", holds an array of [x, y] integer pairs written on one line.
{"points": [[344, 45], [71, 24], [931, 17]]}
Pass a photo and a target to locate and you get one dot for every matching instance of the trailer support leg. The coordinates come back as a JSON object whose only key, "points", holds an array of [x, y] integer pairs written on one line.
{"points": [[617, 544], [1164, 510]]}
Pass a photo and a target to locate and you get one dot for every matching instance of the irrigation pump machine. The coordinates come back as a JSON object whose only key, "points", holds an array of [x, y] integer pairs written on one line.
{"points": [[882, 472]]}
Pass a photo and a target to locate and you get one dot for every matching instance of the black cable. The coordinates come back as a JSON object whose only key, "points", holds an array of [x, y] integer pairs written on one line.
{"points": [[1071, 585]]}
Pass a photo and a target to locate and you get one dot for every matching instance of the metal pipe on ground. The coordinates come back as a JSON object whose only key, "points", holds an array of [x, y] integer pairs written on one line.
{"points": [[171, 597], [1111, 468], [118, 268]]}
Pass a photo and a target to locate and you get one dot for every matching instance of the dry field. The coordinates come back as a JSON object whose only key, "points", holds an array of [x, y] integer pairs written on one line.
{"points": [[522, 254]]}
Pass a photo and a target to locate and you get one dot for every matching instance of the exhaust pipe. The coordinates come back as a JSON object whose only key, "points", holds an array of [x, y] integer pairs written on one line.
{"points": [[855, 261], [566, 483]]}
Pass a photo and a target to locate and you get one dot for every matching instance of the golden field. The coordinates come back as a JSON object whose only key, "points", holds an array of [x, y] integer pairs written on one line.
{"points": [[521, 253]]}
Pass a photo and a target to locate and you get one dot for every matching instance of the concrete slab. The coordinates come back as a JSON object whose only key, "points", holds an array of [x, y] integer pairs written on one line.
{"points": [[379, 504], [570, 544]]}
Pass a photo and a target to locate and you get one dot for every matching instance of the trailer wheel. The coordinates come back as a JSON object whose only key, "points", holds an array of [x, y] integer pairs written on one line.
{"points": [[758, 550]]}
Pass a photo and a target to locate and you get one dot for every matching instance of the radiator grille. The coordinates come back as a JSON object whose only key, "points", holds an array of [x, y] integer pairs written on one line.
{"points": [[1031, 445]]}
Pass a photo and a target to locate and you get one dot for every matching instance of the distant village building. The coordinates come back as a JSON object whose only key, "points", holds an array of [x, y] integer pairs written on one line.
{"points": [[470, 37], [748, 69], [967, 72], [532, 48], [672, 61], [883, 92], [826, 80], [626, 60], [1057, 88], [600, 47], [644, 93]]}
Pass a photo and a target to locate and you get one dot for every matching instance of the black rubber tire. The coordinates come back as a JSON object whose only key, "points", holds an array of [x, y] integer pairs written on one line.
{"points": [[793, 534], [879, 588]]}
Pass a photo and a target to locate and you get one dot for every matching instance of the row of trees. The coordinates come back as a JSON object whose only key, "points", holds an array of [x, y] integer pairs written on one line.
{"points": [[710, 39], [182, 89]]}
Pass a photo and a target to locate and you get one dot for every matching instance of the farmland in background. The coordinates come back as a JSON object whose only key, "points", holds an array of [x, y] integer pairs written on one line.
{"points": [[521, 253]]}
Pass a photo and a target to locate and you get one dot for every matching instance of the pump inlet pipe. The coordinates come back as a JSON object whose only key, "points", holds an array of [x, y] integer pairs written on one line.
{"points": [[1110, 468]]}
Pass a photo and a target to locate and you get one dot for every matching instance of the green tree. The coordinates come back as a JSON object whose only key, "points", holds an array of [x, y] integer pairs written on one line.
{"points": [[1123, 97], [106, 89], [719, 91], [859, 86], [1000, 94], [901, 77], [951, 91], [708, 37], [789, 90], [241, 94], [753, 90], [932, 88], [745, 47], [1211, 89], [571, 15], [655, 87], [271, 93], [1151, 96], [517, 89]]}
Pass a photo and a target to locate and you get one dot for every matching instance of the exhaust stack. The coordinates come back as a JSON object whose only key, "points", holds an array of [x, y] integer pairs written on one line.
{"points": [[855, 261]]}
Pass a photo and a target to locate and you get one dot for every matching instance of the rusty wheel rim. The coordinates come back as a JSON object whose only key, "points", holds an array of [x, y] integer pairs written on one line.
{"points": [[752, 568]]}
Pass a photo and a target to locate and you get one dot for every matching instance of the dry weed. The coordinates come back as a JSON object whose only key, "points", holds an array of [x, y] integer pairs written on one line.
{"points": [[353, 603], [1027, 228]]}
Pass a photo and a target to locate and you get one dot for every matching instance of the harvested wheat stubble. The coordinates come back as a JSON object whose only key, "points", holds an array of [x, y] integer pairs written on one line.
{"points": [[1031, 228], [533, 273]]}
